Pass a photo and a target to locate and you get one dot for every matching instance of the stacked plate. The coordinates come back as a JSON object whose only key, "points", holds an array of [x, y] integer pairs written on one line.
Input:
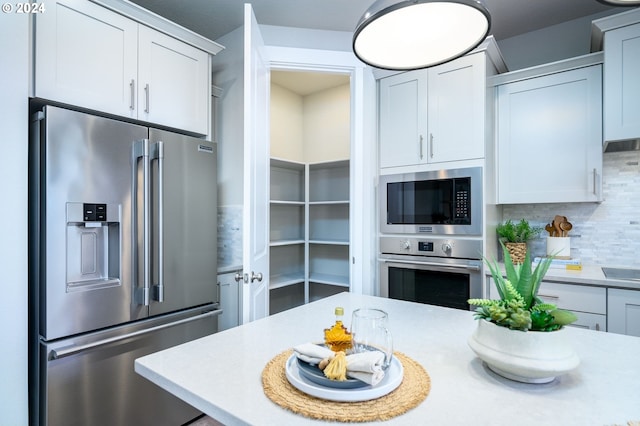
{"points": [[311, 380]]}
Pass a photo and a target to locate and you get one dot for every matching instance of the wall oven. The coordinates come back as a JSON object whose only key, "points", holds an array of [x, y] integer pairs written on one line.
{"points": [[431, 236], [432, 270], [444, 202]]}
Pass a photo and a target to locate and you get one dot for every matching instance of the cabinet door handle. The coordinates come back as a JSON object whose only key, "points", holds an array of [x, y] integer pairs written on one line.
{"points": [[421, 139], [595, 182], [431, 144], [146, 96], [132, 88]]}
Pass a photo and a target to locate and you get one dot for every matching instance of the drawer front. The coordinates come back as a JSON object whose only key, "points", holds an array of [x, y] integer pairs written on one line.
{"points": [[575, 297], [589, 321], [567, 296]]}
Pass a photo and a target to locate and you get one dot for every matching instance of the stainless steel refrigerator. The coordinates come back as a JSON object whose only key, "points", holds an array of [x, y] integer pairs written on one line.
{"points": [[123, 263]]}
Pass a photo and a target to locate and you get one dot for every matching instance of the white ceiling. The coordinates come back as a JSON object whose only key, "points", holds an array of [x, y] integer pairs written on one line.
{"points": [[215, 18], [306, 83]]}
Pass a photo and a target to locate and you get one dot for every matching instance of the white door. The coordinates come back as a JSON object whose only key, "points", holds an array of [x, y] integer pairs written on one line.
{"points": [[255, 294]]}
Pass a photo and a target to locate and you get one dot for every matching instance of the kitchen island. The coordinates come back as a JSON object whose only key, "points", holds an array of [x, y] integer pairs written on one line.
{"points": [[221, 374]]}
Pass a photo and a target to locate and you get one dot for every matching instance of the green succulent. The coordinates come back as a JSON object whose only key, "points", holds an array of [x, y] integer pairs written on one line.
{"points": [[519, 307], [520, 232]]}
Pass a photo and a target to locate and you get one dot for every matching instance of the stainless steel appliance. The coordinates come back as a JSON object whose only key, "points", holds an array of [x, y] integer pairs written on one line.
{"points": [[433, 270], [445, 202], [123, 263], [431, 236]]}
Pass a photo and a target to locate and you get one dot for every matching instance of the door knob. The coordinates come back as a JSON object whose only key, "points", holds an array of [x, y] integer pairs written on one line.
{"points": [[238, 277], [255, 276]]}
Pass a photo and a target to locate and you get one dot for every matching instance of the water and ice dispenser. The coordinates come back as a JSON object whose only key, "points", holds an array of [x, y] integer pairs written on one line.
{"points": [[93, 245]]}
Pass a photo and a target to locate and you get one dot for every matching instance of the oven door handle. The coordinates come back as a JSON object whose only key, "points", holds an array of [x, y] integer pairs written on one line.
{"points": [[439, 265]]}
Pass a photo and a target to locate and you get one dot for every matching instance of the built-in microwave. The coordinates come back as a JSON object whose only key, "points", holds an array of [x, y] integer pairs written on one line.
{"points": [[444, 202]]}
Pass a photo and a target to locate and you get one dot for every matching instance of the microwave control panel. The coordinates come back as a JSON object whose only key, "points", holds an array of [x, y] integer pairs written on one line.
{"points": [[462, 204], [462, 199]]}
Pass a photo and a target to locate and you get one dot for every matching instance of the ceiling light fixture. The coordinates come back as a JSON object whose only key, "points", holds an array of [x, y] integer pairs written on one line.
{"points": [[621, 2], [412, 34]]}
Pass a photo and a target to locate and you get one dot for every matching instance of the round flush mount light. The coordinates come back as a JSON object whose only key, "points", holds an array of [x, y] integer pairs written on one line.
{"points": [[413, 34]]}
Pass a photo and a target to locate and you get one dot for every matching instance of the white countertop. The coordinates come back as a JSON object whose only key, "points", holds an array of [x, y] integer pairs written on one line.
{"points": [[589, 275], [221, 374]]}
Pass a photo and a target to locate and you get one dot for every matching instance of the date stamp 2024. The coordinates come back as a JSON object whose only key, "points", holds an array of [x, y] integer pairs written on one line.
{"points": [[23, 7]]}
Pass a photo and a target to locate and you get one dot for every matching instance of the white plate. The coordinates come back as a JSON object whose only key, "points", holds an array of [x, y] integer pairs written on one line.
{"points": [[392, 380]]}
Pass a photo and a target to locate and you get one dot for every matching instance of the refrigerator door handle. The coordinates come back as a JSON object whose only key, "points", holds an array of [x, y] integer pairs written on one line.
{"points": [[158, 154], [74, 349], [141, 150]]}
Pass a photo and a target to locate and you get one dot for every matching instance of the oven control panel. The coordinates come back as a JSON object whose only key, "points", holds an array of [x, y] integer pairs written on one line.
{"points": [[425, 246], [460, 248]]}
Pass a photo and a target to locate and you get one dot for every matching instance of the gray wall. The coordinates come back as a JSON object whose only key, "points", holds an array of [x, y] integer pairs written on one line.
{"points": [[306, 38], [562, 41]]}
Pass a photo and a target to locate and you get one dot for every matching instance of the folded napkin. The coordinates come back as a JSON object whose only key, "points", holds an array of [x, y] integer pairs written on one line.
{"points": [[364, 366], [312, 353]]}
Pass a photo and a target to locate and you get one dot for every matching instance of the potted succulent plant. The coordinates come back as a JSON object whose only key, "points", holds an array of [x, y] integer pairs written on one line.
{"points": [[519, 335], [515, 237]]}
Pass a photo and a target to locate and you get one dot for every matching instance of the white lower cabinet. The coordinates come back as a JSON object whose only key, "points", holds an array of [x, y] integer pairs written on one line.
{"points": [[624, 311], [308, 232], [229, 298], [587, 302]]}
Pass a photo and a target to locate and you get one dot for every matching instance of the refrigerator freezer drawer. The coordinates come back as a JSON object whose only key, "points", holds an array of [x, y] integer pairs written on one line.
{"points": [[91, 381]]}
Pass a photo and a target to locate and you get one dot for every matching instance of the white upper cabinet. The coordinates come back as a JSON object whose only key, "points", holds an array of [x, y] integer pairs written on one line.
{"points": [[86, 55], [622, 83], [549, 136], [435, 115], [403, 119], [456, 110], [92, 57], [173, 82]]}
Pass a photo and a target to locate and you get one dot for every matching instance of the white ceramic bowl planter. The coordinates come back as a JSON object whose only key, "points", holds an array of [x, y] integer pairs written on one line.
{"points": [[524, 356]]}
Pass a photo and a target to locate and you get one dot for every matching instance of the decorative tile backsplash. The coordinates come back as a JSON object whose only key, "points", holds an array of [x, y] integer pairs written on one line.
{"points": [[606, 233], [229, 236]]}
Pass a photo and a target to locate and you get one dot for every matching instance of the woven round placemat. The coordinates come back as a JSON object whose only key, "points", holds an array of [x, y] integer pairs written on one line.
{"points": [[414, 388]]}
